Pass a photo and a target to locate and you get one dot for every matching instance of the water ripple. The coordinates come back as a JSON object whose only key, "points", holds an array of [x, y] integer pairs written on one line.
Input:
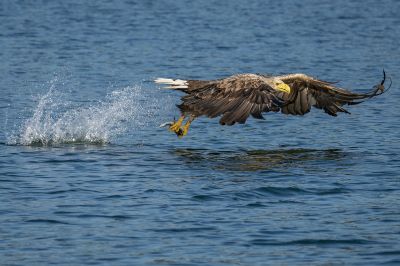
{"points": [[46, 221], [316, 242]]}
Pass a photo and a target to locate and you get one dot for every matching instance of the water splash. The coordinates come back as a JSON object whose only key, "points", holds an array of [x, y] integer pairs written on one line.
{"points": [[55, 121]]}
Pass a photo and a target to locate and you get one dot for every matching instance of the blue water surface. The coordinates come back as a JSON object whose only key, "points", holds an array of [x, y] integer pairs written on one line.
{"points": [[88, 177]]}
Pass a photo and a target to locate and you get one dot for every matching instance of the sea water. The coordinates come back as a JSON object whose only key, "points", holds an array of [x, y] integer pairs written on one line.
{"points": [[88, 177]]}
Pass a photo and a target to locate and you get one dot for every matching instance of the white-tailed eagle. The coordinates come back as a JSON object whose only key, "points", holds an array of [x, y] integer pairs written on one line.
{"points": [[237, 97]]}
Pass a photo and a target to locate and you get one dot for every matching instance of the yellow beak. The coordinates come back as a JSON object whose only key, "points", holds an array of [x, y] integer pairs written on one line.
{"points": [[283, 87]]}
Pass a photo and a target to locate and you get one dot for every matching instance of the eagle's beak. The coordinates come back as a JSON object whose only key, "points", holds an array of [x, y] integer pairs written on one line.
{"points": [[283, 87]]}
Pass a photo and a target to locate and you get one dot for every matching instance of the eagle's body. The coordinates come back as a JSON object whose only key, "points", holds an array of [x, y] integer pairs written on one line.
{"points": [[237, 97]]}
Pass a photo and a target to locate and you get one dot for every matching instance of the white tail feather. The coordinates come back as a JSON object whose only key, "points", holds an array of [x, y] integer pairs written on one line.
{"points": [[175, 83]]}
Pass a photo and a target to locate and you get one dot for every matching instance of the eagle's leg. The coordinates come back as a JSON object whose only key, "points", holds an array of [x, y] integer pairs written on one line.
{"points": [[176, 126], [185, 128]]}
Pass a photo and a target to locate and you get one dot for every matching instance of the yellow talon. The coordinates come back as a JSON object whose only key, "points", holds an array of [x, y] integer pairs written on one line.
{"points": [[176, 127], [183, 132]]}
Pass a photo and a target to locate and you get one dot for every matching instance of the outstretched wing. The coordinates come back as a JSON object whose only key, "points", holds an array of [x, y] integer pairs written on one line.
{"points": [[235, 98], [307, 91]]}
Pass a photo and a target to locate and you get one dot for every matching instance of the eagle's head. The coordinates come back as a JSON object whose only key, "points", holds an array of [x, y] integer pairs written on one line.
{"points": [[279, 85]]}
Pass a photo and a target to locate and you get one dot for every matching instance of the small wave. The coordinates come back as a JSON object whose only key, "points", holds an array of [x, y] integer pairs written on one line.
{"points": [[316, 242], [46, 221], [386, 253], [204, 197], [185, 229], [282, 191], [55, 121], [113, 217]]}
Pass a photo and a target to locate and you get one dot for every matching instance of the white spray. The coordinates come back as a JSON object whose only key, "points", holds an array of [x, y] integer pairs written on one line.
{"points": [[55, 122]]}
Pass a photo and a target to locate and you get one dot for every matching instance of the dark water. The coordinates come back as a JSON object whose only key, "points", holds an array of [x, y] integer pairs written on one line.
{"points": [[87, 177]]}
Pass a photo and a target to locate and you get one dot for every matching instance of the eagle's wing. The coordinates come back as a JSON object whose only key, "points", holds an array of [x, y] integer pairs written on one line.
{"points": [[235, 98], [307, 91]]}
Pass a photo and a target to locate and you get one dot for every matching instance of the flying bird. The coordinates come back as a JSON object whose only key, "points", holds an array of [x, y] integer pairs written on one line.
{"points": [[237, 97]]}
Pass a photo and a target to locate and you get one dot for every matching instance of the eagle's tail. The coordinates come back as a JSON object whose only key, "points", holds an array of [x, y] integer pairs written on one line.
{"points": [[175, 84]]}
